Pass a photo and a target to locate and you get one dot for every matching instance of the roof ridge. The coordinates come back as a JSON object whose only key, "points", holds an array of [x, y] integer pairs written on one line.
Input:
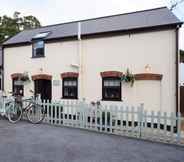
{"points": [[96, 18]]}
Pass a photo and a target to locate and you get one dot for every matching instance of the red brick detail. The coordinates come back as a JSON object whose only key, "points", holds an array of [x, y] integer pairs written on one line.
{"points": [[42, 76], [16, 75], [111, 74], [148, 76], [69, 75]]}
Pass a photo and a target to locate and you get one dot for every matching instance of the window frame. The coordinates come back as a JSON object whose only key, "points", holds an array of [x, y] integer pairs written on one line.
{"points": [[36, 41], [63, 86], [103, 89]]}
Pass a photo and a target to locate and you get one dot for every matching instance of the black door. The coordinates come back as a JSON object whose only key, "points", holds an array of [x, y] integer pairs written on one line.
{"points": [[182, 100], [43, 87]]}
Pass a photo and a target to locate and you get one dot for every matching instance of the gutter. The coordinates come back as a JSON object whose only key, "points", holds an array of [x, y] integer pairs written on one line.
{"points": [[81, 66], [2, 79]]}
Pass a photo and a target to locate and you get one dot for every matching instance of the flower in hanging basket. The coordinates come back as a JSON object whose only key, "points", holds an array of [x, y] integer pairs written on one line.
{"points": [[25, 77], [128, 77]]}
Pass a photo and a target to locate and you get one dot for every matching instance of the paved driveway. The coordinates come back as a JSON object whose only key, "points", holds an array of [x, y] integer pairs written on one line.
{"points": [[25, 142]]}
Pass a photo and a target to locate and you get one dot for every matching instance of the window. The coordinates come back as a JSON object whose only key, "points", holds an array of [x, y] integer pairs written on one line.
{"points": [[18, 88], [70, 88], [0, 84], [41, 35], [38, 48], [111, 89]]}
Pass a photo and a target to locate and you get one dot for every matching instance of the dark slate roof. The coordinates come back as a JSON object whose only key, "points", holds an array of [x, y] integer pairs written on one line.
{"points": [[122, 22]]}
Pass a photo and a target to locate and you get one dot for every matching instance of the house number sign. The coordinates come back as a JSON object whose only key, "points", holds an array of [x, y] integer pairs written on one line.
{"points": [[56, 82]]}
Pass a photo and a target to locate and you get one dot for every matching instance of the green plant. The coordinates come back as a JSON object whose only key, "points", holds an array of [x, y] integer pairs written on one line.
{"points": [[128, 77], [25, 77]]}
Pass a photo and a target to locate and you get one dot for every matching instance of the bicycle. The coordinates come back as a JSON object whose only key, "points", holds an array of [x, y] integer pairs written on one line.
{"points": [[15, 109]]}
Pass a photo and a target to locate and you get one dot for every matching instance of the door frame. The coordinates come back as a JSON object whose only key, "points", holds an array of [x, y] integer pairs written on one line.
{"points": [[43, 77]]}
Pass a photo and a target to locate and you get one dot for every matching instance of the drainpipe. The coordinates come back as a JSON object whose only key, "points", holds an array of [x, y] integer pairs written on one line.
{"points": [[177, 71], [81, 66], [2, 72]]}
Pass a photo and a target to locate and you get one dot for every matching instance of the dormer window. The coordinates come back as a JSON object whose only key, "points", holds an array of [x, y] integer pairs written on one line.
{"points": [[38, 48], [41, 35], [38, 44]]}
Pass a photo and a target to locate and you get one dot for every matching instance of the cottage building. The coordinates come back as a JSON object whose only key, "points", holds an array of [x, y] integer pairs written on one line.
{"points": [[87, 60]]}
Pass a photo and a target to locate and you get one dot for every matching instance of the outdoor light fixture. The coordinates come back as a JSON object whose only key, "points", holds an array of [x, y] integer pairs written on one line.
{"points": [[148, 68], [75, 65], [41, 70]]}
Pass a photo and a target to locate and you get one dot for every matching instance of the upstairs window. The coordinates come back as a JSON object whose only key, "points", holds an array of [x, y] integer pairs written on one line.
{"points": [[111, 88], [70, 88], [38, 48], [38, 44]]}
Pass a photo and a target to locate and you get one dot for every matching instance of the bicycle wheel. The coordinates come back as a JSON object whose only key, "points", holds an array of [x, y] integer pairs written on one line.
{"points": [[14, 113], [36, 113]]}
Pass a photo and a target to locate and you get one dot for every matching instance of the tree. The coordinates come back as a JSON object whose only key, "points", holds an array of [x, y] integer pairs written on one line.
{"points": [[175, 3], [9, 26]]}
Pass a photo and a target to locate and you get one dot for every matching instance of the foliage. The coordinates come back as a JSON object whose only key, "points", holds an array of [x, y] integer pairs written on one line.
{"points": [[25, 77], [175, 3], [9, 26], [128, 77]]}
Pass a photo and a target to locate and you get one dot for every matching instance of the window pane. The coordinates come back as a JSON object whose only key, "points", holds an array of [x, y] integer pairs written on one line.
{"points": [[112, 89], [111, 93], [69, 92], [41, 35], [111, 83], [70, 88], [70, 83], [38, 48]]}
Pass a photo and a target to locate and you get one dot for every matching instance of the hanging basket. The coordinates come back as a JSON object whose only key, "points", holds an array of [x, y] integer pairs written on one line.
{"points": [[128, 77], [23, 79]]}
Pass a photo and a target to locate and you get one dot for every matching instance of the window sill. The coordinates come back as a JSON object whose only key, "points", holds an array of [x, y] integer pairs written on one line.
{"points": [[64, 98], [38, 57], [115, 100]]}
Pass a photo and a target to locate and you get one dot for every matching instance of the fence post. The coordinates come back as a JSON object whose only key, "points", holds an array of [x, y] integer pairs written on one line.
{"points": [[81, 114], [178, 127], [140, 118]]}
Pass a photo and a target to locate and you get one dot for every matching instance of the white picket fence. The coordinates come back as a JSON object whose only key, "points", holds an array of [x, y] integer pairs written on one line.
{"points": [[125, 120], [119, 120]]}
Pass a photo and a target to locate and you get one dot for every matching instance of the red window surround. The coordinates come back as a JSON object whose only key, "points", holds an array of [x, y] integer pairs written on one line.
{"points": [[69, 75], [16, 75], [42, 76], [111, 74]]}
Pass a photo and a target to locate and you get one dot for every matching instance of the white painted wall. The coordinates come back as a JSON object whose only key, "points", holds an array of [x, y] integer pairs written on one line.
{"points": [[181, 73], [103, 54]]}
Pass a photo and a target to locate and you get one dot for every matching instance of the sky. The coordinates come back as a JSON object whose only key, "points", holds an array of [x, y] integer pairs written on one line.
{"points": [[58, 11]]}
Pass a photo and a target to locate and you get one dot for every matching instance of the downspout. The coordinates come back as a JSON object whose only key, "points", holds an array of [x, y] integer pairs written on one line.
{"points": [[177, 71], [81, 68], [2, 74]]}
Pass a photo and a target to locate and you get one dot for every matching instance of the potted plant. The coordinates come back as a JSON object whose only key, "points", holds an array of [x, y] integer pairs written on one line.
{"points": [[128, 77]]}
